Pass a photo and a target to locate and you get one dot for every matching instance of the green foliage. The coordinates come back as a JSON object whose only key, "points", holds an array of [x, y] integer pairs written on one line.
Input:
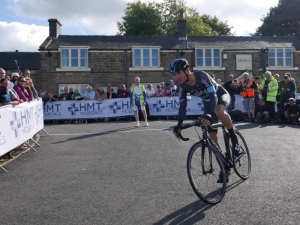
{"points": [[161, 19], [281, 20], [141, 19]]}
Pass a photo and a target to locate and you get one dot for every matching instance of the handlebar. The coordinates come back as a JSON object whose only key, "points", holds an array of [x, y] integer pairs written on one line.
{"points": [[195, 123]]}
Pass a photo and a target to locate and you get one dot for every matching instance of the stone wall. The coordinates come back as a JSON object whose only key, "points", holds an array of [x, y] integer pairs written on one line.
{"points": [[108, 67]]}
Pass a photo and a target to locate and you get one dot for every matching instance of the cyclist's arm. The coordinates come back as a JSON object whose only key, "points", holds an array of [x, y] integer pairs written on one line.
{"points": [[211, 91], [182, 107]]}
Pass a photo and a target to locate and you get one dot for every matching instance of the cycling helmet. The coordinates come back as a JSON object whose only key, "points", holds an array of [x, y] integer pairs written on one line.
{"points": [[178, 64]]}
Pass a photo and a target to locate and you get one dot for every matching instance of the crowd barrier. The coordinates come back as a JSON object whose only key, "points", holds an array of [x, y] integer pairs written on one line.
{"points": [[19, 124], [118, 107]]}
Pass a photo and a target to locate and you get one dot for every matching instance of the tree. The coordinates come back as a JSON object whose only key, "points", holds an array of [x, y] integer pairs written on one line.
{"points": [[141, 19], [222, 28], [161, 19], [281, 20]]}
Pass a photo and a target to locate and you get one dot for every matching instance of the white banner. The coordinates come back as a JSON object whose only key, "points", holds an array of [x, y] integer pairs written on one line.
{"points": [[19, 123], [85, 109]]}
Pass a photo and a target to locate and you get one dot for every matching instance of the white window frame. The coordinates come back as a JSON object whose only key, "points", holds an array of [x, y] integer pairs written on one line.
{"points": [[142, 67], [212, 53], [70, 68], [284, 58]]}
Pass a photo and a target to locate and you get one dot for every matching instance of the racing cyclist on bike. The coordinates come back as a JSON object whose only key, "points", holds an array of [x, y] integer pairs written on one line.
{"points": [[215, 100]]}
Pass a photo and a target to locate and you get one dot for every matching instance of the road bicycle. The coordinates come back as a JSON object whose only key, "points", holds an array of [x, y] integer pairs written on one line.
{"points": [[207, 165]]}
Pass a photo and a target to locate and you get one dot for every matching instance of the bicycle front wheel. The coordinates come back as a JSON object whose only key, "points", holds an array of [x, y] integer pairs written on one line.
{"points": [[205, 168], [242, 163]]}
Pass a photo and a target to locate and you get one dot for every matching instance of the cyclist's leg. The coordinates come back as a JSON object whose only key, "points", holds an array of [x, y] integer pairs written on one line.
{"points": [[220, 110]]}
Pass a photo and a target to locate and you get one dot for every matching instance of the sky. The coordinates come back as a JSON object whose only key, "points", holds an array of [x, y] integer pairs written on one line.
{"points": [[24, 23]]}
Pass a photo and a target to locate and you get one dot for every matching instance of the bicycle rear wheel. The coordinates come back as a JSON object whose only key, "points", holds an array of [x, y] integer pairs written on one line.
{"points": [[204, 166], [242, 163]]}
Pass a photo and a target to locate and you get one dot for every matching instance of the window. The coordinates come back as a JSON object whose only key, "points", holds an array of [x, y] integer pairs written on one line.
{"points": [[75, 58], [280, 57], [146, 57], [208, 57]]}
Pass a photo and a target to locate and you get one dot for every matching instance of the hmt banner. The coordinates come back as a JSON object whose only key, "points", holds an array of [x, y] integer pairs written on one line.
{"points": [[86, 109], [19, 123]]}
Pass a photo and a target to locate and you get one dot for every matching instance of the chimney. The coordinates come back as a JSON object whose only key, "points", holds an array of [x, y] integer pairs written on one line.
{"points": [[54, 28], [181, 26]]}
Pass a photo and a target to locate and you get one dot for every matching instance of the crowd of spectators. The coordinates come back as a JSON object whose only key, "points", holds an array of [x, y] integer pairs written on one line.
{"points": [[264, 94], [14, 90]]}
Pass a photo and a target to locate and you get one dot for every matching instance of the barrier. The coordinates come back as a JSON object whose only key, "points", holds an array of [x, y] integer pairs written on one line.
{"points": [[86, 109], [19, 124]]}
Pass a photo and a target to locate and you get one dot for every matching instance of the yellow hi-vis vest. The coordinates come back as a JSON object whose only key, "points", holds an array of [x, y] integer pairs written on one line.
{"points": [[133, 91]]}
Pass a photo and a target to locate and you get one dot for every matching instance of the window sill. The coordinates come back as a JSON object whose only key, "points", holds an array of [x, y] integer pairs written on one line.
{"points": [[73, 69], [282, 68], [145, 68], [209, 68]]}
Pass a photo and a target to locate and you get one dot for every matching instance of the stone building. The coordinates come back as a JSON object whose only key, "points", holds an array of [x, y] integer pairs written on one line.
{"points": [[68, 60]]}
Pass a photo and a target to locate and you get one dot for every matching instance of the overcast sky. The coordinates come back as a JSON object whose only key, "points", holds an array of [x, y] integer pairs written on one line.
{"points": [[24, 23]]}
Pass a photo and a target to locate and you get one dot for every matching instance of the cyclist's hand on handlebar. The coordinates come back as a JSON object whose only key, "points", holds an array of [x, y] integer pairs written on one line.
{"points": [[205, 120], [176, 131]]}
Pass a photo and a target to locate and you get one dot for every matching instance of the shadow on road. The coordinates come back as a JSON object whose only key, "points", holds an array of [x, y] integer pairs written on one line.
{"points": [[190, 214], [95, 134]]}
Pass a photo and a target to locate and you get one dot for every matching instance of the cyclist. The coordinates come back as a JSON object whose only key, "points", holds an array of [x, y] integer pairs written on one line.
{"points": [[215, 100]]}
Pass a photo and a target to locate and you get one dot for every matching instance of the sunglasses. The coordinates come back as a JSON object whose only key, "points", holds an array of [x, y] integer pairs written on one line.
{"points": [[22, 81], [230, 77]]}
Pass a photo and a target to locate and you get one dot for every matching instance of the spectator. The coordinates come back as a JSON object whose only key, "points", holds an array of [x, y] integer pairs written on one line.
{"points": [[129, 89], [294, 82], [89, 94], [30, 86], [22, 90], [109, 86], [76, 95], [212, 76], [71, 92], [138, 100], [247, 88], [14, 77], [286, 91], [111, 94], [268, 89], [219, 81], [261, 74], [163, 87], [263, 112], [298, 87], [159, 92], [231, 88], [122, 93], [63, 96], [51, 97], [290, 114], [100, 94], [7, 97], [257, 95], [150, 92], [26, 73], [172, 88], [44, 98], [2, 73], [276, 76]]}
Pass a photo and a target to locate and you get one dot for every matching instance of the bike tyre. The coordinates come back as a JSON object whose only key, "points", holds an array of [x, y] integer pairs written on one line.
{"points": [[193, 160]]}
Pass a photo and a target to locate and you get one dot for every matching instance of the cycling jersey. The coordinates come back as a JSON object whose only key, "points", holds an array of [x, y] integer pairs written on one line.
{"points": [[208, 89]]}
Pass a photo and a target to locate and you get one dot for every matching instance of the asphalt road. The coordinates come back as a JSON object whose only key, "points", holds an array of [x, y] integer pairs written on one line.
{"points": [[115, 173]]}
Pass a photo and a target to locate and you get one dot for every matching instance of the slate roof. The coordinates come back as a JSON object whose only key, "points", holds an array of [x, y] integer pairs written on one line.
{"points": [[168, 42], [26, 60]]}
